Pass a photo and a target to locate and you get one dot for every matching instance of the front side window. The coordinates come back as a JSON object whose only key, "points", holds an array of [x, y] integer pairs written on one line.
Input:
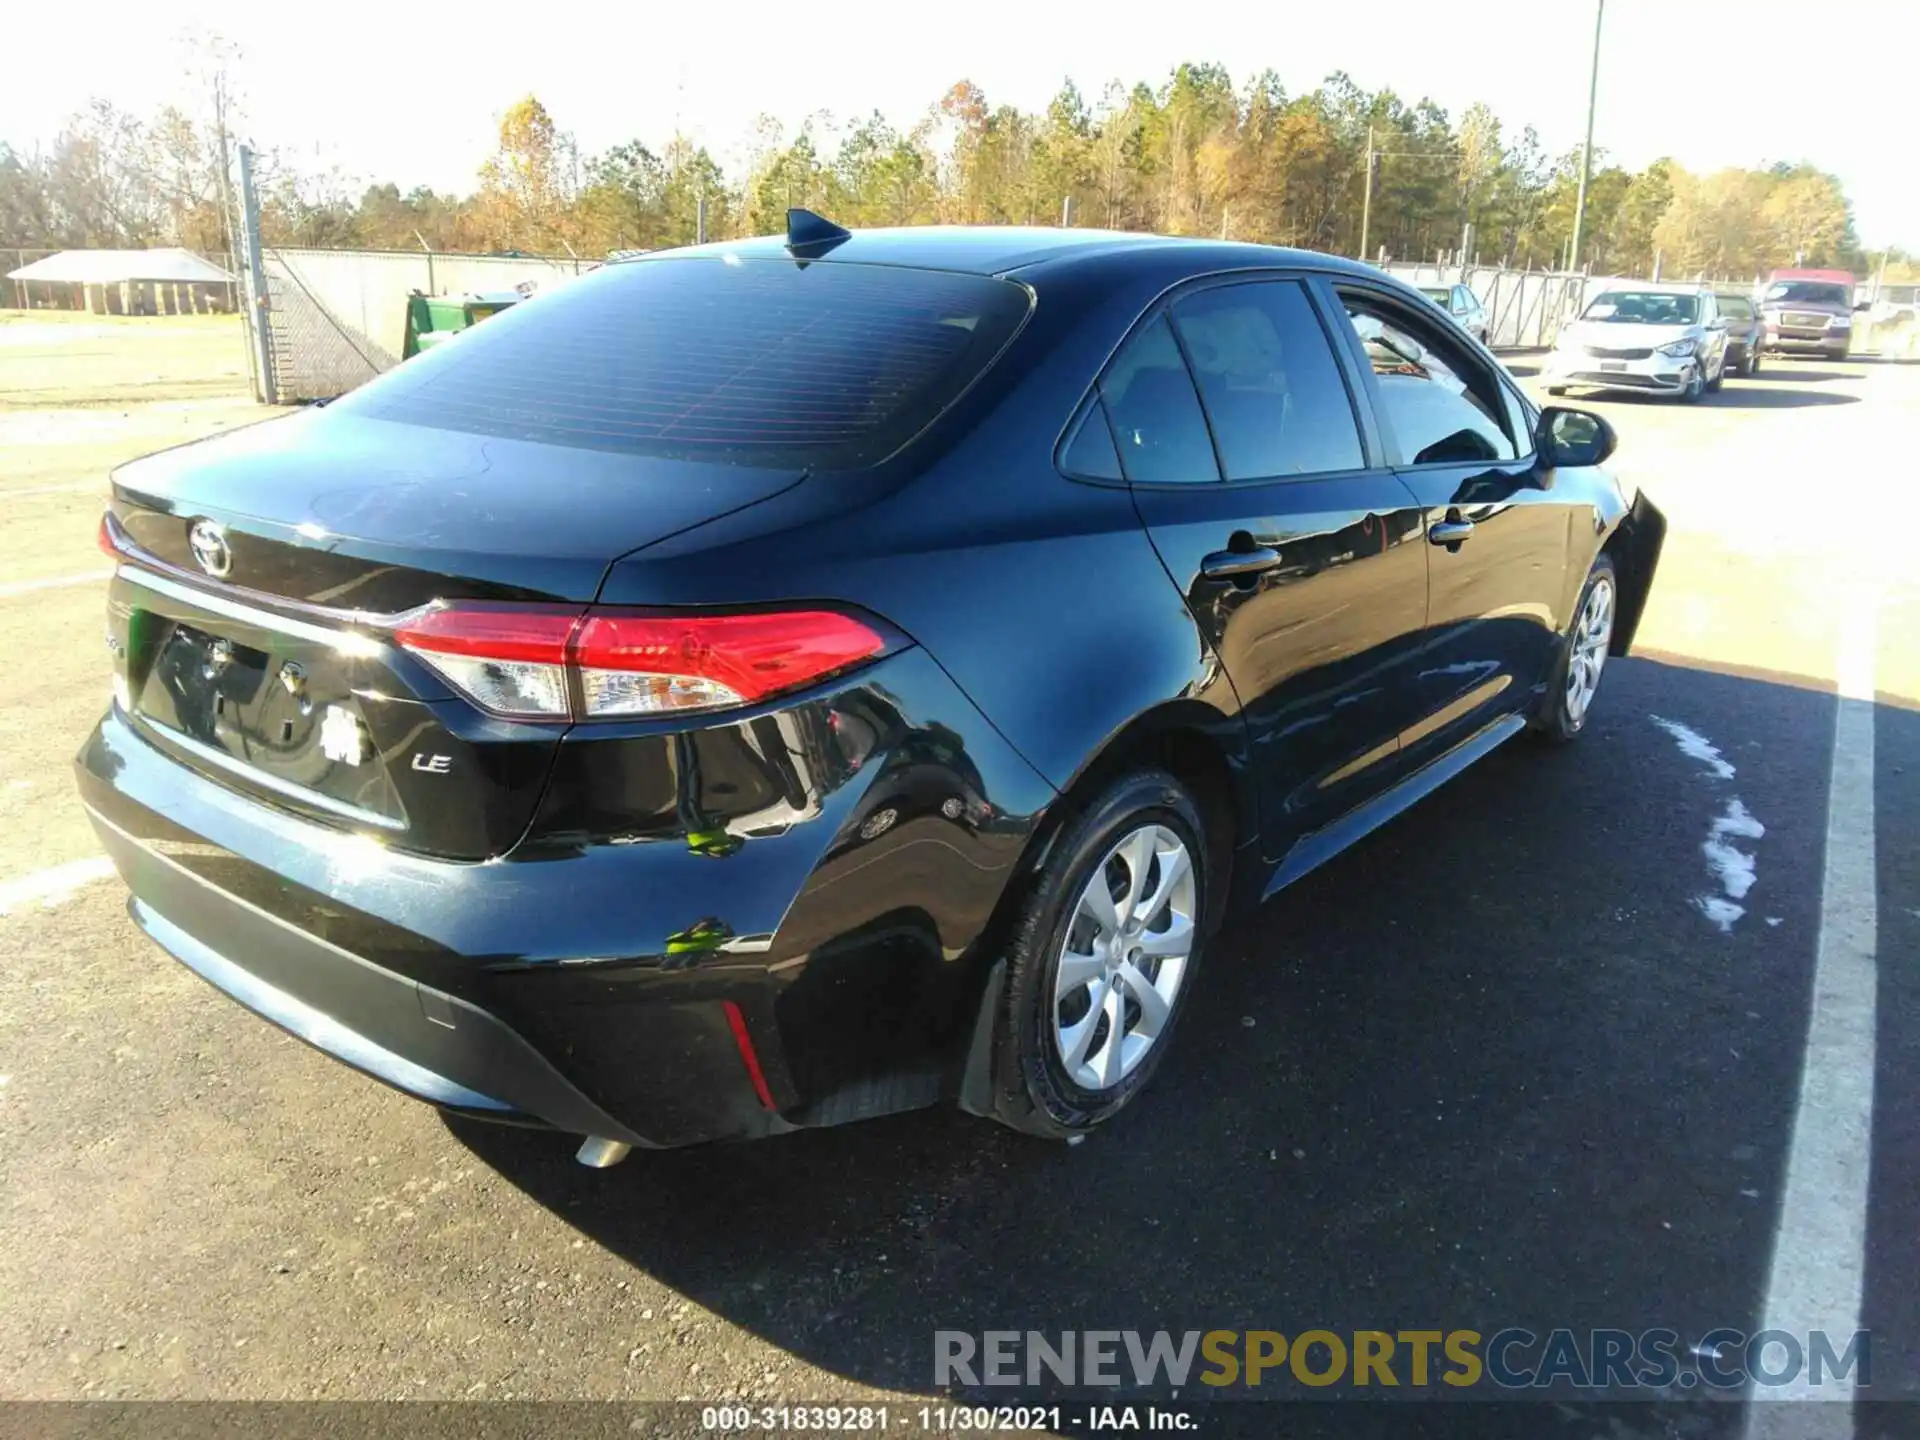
{"points": [[1271, 386], [1441, 411], [1158, 428]]}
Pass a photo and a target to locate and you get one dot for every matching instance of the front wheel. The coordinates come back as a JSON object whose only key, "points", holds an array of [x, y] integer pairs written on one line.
{"points": [[1562, 712], [1752, 367], [1696, 385], [1103, 959]]}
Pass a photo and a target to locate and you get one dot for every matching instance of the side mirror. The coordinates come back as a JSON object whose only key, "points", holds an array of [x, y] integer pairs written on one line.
{"points": [[1573, 437]]}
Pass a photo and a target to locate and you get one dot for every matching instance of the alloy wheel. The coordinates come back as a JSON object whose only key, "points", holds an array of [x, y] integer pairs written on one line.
{"points": [[1592, 633], [1129, 945]]}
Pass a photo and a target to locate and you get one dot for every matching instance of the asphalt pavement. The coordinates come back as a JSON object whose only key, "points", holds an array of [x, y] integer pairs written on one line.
{"points": [[1511, 1062]]}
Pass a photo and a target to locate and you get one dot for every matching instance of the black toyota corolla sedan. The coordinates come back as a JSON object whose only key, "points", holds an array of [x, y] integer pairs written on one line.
{"points": [[775, 683]]}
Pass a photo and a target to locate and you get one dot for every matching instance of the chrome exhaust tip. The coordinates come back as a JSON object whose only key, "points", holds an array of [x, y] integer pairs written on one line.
{"points": [[598, 1154]]}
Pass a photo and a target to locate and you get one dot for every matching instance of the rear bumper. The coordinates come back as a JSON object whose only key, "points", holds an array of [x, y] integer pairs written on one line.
{"points": [[598, 983], [425, 1042]]}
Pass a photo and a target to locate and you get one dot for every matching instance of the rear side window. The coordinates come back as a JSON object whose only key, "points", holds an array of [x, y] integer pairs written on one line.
{"points": [[750, 361], [1271, 386], [1157, 424], [1091, 451]]}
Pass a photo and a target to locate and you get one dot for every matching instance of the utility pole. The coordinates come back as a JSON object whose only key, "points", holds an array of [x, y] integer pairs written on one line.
{"points": [[1586, 150], [255, 288], [226, 199], [431, 289], [1366, 202]]}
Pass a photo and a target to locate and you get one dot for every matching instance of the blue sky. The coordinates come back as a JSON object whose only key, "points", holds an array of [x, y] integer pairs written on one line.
{"points": [[334, 85]]}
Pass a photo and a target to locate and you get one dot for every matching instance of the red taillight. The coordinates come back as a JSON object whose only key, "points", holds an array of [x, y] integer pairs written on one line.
{"points": [[107, 539], [555, 664], [643, 664]]}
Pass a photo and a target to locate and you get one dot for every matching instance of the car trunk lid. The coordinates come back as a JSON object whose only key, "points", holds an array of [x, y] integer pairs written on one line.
{"points": [[266, 571]]}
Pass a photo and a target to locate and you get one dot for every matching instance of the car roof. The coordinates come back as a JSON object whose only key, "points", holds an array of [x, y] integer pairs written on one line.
{"points": [[1006, 249]]}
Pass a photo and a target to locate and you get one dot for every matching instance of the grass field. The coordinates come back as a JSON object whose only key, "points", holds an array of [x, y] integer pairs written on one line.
{"points": [[80, 394]]}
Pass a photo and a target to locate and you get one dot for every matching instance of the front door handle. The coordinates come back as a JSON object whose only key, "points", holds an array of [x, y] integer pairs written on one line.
{"points": [[1230, 564], [1450, 533]]}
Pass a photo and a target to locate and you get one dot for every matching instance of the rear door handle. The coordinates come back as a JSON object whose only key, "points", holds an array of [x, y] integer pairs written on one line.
{"points": [[1450, 532], [1227, 564]]}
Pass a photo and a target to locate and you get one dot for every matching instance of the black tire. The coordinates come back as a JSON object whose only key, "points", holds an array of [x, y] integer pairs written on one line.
{"points": [[1752, 366], [1553, 719], [1556, 389], [1719, 379], [1696, 387], [1032, 1089]]}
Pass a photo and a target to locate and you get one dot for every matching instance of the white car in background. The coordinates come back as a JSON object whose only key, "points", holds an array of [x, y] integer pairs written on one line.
{"points": [[1663, 339], [1464, 306]]}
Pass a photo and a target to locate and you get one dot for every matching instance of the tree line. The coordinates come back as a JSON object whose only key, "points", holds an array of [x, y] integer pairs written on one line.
{"points": [[1194, 155]]}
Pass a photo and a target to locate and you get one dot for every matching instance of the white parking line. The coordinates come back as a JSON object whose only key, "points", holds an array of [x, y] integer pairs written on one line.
{"points": [[51, 886], [1819, 1250], [53, 582]]}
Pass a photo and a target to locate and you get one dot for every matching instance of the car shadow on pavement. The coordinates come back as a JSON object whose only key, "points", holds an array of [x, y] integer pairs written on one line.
{"points": [[1784, 368], [1738, 395], [1495, 1066]]}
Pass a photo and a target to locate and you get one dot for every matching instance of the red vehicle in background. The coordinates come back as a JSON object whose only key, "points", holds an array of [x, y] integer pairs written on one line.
{"points": [[1808, 311]]}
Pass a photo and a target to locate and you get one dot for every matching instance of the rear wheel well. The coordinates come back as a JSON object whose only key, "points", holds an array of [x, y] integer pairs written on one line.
{"points": [[1192, 759]]}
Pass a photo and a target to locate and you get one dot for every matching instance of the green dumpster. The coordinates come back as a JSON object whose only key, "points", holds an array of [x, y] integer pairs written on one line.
{"points": [[433, 318]]}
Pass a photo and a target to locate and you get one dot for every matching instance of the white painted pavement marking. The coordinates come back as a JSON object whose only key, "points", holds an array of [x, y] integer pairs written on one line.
{"points": [[1732, 868], [1819, 1249], [54, 582], [50, 887], [1696, 746]]}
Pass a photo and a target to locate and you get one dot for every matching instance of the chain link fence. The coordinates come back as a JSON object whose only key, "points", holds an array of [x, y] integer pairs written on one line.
{"points": [[319, 321], [337, 318], [1525, 308]]}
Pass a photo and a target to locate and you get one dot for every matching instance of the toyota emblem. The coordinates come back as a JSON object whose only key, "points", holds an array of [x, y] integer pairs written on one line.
{"points": [[208, 542]]}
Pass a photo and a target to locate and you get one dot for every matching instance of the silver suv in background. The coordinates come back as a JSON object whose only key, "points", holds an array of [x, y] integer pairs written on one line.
{"points": [[1464, 306], [1664, 339]]}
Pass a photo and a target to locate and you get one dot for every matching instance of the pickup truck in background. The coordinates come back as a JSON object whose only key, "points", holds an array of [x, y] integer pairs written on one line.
{"points": [[1808, 312]]}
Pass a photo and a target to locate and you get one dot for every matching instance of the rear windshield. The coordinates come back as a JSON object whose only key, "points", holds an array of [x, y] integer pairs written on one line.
{"points": [[750, 361], [1735, 306], [1441, 296], [1807, 292]]}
